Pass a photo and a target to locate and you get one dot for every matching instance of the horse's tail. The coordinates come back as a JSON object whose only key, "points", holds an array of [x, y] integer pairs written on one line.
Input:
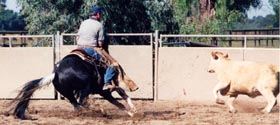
{"points": [[20, 103]]}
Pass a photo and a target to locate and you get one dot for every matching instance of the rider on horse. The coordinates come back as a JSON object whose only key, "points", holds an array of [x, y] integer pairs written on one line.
{"points": [[91, 38]]}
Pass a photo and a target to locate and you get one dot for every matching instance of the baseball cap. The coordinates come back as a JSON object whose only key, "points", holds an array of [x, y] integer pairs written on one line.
{"points": [[96, 9]]}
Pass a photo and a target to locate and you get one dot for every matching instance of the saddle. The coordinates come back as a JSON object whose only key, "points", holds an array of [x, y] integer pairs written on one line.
{"points": [[83, 55]]}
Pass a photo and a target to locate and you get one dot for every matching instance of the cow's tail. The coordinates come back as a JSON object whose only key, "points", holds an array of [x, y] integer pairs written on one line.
{"points": [[20, 103]]}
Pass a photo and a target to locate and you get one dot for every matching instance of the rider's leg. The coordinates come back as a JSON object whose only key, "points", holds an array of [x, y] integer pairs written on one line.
{"points": [[110, 71], [92, 52], [109, 75]]}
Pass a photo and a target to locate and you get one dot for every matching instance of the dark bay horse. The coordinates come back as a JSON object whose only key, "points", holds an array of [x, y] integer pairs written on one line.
{"points": [[73, 77]]}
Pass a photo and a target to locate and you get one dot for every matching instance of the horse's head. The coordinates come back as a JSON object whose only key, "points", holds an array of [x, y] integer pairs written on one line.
{"points": [[122, 77]]}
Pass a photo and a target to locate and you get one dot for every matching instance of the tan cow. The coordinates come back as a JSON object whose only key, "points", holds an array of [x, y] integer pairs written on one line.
{"points": [[244, 77]]}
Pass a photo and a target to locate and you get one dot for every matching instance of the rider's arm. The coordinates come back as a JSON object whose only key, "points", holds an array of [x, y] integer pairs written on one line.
{"points": [[100, 43]]}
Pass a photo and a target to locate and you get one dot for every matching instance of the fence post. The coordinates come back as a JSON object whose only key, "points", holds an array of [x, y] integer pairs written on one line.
{"points": [[230, 41], [155, 85], [10, 42], [57, 58]]}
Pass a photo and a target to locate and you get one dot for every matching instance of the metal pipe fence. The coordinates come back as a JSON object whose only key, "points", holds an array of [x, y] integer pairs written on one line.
{"points": [[246, 40], [74, 42], [33, 40]]}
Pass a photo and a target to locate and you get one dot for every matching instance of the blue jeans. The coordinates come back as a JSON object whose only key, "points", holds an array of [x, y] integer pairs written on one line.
{"points": [[91, 52], [110, 71], [109, 75]]}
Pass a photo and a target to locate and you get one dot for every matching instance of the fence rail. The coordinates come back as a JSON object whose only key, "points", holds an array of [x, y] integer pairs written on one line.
{"points": [[244, 38], [23, 39], [150, 35]]}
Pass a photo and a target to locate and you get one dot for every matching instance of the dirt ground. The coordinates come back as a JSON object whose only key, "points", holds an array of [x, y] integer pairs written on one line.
{"points": [[60, 112]]}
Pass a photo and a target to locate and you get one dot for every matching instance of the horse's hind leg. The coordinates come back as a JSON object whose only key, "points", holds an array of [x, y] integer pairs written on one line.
{"points": [[67, 93], [83, 97]]}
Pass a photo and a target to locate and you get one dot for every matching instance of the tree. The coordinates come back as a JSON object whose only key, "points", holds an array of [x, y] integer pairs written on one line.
{"points": [[2, 4], [49, 16], [275, 5], [258, 22], [125, 16], [10, 20], [162, 15], [210, 16]]}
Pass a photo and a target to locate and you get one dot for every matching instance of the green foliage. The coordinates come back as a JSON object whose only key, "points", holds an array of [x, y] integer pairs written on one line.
{"points": [[276, 8], [224, 17], [9, 20], [125, 16], [50, 16], [185, 10], [256, 23], [259, 22], [242, 5], [134, 16], [162, 16], [189, 16]]}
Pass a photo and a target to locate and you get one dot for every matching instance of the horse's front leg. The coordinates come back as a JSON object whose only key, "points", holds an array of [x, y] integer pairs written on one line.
{"points": [[123, 94], [107, 95]]}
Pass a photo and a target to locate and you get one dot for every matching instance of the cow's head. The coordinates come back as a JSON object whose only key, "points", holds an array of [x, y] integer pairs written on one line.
{"points": [[216, 62]]}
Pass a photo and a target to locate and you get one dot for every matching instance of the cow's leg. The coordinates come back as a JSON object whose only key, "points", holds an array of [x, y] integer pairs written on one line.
{"points": [[217, 88], [230, 103], [271, 99]]}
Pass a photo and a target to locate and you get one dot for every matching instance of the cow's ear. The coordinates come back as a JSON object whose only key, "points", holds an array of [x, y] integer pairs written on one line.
{"points": [[226, 56], [214, 55]]}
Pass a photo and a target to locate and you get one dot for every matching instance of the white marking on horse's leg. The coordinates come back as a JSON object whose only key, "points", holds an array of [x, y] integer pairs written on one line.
{"points": [[129, 102]]}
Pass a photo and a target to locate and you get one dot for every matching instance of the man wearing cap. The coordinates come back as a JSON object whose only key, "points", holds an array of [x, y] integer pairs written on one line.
{"points": [[90, 38]]}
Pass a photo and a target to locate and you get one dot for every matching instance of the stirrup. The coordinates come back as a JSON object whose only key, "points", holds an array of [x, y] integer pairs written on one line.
{"points": [[108, 87]]}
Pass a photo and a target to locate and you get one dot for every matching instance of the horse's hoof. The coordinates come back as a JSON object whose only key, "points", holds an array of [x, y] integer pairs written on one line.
{"points": [[134, 110], [233, 111], [22, 117], [130, 114]]}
